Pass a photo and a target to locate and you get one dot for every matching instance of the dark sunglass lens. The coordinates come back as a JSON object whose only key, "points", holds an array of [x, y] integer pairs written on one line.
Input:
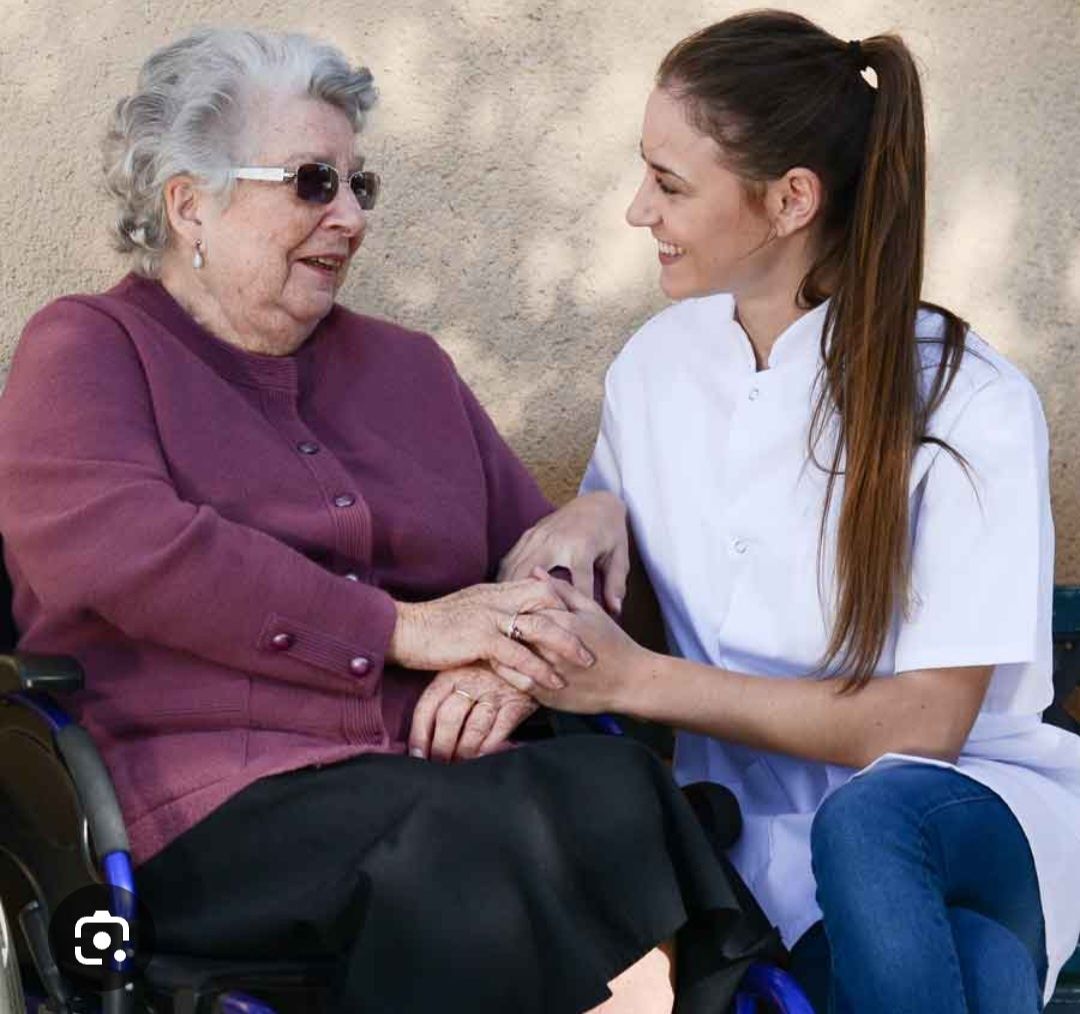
{"points": [[316, 182], [366, 187]]}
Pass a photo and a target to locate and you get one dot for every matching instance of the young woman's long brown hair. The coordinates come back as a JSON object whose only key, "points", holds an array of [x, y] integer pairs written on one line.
{"points": [[776, 91]]}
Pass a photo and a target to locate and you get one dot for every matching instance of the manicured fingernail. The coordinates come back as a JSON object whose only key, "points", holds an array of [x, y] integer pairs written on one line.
{"points": [[559, 682], [587, 658], [618, 605], [416, 752]]}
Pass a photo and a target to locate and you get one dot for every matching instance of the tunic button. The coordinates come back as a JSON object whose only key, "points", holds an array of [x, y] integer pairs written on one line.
{"points": [[307, 447], [739, 546], [352, 577], [283, 641], [344, 500], [359, 665], [753, 394]]}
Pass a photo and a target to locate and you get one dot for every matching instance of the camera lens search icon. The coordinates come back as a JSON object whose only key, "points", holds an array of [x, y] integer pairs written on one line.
{"points": [[102, 937], [104, 931]]}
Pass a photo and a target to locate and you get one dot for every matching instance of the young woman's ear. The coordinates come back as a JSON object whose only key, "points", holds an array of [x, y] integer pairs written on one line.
{"points": [[794, 200]]}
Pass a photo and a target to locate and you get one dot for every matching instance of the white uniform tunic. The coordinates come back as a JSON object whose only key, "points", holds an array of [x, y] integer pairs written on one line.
{"points": [[710, 456]]}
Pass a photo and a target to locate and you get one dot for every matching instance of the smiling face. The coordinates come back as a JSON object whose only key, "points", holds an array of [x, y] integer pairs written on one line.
{"points": [[274, 263], [711, 237]]}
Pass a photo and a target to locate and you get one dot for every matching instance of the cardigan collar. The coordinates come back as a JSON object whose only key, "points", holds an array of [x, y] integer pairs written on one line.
{"points": [[250, 369]]}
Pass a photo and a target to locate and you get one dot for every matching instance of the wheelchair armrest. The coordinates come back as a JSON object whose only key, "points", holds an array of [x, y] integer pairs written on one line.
{"points": [[94, 787], [27, 678], [53, 673]]}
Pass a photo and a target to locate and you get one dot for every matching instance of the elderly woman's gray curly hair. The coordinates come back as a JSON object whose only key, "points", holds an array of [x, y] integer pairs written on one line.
{"points": [[187, 114]]}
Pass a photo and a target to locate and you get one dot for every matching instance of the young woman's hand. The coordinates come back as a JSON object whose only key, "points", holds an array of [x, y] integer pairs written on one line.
{"points": [[621, 663], [586, 534], [466, 713], [476, 624]]}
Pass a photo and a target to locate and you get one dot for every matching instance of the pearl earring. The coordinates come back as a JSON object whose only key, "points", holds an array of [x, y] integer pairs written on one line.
{"points": [[197, 261]]}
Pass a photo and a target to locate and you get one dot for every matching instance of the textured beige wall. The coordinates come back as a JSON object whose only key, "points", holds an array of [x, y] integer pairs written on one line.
{"points": [[507, 134]]}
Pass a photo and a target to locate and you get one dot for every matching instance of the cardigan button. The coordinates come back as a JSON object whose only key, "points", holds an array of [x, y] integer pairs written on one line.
{"points": [[307, 447], [359, 666], [283, 641], [344, 500]]}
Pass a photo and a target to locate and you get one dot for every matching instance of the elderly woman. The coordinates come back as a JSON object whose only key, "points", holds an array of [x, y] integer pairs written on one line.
{"points": [[262, 522]]}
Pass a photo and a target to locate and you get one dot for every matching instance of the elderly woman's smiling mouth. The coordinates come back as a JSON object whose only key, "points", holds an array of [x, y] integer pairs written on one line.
{"points": [[326, 264], [327, 271]]}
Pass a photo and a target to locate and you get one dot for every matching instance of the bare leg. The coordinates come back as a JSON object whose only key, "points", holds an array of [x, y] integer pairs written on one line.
{"points": [[646, 987]]}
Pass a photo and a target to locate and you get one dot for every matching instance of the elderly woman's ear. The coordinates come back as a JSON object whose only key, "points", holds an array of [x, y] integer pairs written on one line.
{"points": [[183, 206]]}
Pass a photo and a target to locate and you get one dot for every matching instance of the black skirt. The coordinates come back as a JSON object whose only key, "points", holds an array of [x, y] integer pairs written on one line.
{"points": [[518, 883]]}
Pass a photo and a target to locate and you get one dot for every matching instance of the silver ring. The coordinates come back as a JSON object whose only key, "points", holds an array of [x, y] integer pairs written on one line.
{"points": [[465, 693], [512, 629]]}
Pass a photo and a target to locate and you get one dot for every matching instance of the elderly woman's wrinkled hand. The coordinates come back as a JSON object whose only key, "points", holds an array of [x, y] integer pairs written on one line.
{"points": [[498, 624], [586, 534], [466, 713]]}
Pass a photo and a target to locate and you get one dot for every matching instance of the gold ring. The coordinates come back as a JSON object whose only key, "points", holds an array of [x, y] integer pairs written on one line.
{"points": [[465, 693]]}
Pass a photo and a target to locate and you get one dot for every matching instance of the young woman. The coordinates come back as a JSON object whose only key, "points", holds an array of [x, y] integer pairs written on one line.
{"points": [[840, 496]]}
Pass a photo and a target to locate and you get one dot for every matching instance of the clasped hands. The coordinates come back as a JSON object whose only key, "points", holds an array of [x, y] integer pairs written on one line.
{"points": [[504, 649]]}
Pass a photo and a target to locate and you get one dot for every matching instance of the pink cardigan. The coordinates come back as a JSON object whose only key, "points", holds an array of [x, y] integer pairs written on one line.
{"points": [[218, 535]]}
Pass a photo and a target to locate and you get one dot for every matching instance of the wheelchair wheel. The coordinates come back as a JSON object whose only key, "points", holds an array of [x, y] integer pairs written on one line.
{"points": [[11, 995]]}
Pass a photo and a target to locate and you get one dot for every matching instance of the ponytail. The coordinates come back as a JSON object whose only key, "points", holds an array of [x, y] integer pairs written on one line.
{"points": [[747, 81]]}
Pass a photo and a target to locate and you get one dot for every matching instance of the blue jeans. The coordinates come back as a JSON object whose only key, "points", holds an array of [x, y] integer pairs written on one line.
{"points": [[930, 900]]}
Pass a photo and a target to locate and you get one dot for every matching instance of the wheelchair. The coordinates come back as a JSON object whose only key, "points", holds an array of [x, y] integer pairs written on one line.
{"points": [[61, 832]]}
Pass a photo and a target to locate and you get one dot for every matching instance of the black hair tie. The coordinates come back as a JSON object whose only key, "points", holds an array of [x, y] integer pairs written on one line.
{"points": [[856, 56]]}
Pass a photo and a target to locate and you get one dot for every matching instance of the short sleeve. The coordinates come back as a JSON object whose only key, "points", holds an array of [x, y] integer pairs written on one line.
{"points": [[602, 472], [982, 560]]}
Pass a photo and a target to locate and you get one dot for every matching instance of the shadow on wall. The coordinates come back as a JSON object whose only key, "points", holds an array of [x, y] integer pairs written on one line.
{"points": [[507, 134]]}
